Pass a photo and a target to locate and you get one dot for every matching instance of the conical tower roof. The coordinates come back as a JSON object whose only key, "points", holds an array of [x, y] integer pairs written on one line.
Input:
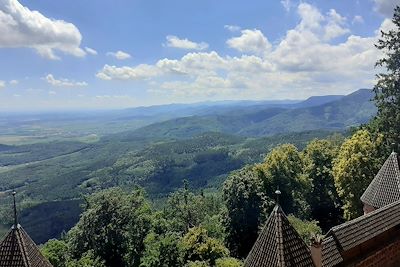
{"points": [[279, 245], [18, 250], [385, 187]]}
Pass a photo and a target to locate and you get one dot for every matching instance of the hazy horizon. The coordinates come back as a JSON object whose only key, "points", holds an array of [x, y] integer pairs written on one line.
{"points": [[207, 102], [57, 57]]}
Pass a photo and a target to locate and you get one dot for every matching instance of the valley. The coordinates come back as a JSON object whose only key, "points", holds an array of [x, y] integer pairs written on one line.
{"points": [[155, 148]]}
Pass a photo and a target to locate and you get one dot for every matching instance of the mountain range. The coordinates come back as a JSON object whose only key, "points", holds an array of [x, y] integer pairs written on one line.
{"points": [[51, 161]]}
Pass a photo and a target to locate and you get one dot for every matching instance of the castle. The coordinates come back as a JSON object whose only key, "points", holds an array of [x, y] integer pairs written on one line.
{"points": [[368, 241]]}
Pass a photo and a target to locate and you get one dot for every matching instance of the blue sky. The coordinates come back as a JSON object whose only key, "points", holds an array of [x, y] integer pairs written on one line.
{"points": [[115, 54]]}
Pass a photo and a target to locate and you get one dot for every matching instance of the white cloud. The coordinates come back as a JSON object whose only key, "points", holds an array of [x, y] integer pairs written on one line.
{"points": [[386, 7], [304, 62], [311, 18], [176, 42], [252, 41], [335, 25], [91, 51], [358, 19], [52, 92], [126, 73], [13, 82], [190, 65], [232, 28], [22, 27], [2, 84], [119, 55], [286, 5], [63, 82]]}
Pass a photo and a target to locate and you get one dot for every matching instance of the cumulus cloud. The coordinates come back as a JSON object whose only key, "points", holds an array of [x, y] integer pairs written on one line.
{"points": [[335, 25], [127, 73], [120, 55], [232, 28], [2, 84], [176, 42], [13, 82], [305, 61], [251, 41], [63, 82], [91, 51], [22, 27], [386, 7]]}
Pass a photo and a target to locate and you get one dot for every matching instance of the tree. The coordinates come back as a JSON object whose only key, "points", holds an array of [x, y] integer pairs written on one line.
{"points": [[228, 262], [88, 259], [161, 251], [282, 169], [354, 168], [113, 226], [185, 210], [324, 201], [387, 89], [198, 246], [197, 264], [246, 204], [56, 251], [306, 229]]}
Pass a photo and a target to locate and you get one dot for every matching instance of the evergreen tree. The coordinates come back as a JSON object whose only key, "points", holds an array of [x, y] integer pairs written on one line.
{"points": [[387, 89]]}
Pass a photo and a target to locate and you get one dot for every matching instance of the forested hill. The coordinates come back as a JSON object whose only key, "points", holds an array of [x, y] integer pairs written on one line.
{"points": [[203, 148], [338, 114]]}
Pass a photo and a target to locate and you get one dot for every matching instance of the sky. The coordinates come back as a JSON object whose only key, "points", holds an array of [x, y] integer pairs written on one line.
{"points": [[65, 55]]}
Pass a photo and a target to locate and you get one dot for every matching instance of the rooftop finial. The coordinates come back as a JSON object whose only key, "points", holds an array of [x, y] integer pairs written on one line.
{"points": [[15, 211], [277, 193], [393, 147]]}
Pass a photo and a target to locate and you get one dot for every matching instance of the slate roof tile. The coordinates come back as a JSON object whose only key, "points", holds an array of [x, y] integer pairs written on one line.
{"points": [[385, 187], [279, 245], [18, 250]]}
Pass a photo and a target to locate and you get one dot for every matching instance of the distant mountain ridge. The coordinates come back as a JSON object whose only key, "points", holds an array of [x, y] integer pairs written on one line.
{"points": [[317, 101], [335, 113]]}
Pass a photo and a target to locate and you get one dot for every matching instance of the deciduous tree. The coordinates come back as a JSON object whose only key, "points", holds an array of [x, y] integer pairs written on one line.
{"points": [[354, 168]]}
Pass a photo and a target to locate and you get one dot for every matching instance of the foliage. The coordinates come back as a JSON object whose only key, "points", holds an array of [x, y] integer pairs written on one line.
{"points": [[161, 251], [246, 206], [114, 161], [56, 251], [228, 262], [197, 264], [184, 210], [354, 168], [323, 199], [198, 246], [306, 229], [282, 169], [113, 226], [387, 89], [88, 259]]}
